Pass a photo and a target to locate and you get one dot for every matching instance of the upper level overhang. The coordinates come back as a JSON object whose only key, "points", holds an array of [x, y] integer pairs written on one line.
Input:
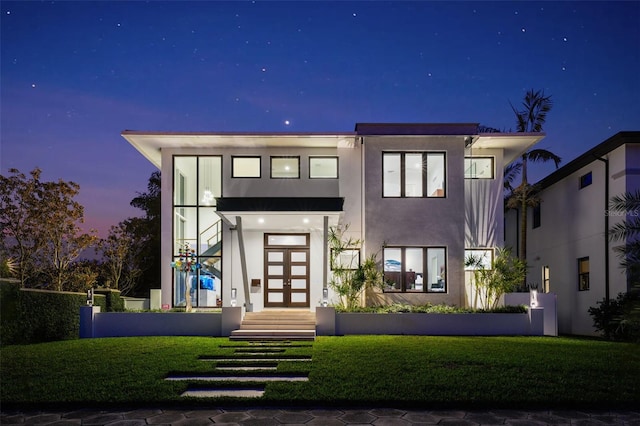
{"points": [[513, 145], [150, 144]]}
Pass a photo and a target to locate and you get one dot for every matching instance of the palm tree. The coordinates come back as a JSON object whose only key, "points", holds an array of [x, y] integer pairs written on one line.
{"points": [[529, 119], [628, 231]]}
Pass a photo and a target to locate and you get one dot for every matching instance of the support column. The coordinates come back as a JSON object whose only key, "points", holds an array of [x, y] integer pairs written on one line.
{"points": [[243, 266], [325, 251]]}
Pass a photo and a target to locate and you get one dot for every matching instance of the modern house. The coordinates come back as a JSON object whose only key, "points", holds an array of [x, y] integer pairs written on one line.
{"points": [[256, 209], [569, 252]]}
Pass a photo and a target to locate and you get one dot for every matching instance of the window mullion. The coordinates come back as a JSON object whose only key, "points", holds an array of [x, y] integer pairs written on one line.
{"points": [[425, 179], [403, 179]]}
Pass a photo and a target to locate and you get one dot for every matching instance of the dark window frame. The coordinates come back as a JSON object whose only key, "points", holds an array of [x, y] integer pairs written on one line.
{"points": [[313, 157], [233, 176], [425, 270], [586, 180], [425, 183], [583, 277], [493, 167], [271, 158], [536, 210]]}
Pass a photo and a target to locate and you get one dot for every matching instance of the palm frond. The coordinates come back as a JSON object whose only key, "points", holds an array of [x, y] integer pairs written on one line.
{"points": [[629, 228], [510, 174], [535, 106], [628, 202], [542, 156]]}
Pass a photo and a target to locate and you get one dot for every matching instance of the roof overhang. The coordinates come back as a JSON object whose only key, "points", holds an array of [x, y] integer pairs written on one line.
{"points": [[150, 144], [280, 213], [512, 144]]}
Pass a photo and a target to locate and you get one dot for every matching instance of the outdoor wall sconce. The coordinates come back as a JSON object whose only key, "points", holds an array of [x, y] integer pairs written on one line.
{"points": [[234, 296], [533, 298], [325, 297]]}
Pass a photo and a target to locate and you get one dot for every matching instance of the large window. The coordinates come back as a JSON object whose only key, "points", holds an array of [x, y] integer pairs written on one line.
{"points": [[415, 269], [583, 274], [478, 168], [245, 167], [285, 167], [413, 174], [197, 184]]}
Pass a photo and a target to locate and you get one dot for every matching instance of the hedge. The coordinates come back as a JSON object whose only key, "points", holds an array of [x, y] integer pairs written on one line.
{"points": [[33, 316]]}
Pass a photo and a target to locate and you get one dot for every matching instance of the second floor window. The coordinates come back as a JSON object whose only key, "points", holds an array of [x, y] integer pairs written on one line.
{"points": [[285, 167], [413, 174]]}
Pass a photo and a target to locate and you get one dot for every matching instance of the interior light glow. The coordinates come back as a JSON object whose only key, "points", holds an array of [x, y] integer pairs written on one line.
{"points": [[305, 220], [260, 220]]}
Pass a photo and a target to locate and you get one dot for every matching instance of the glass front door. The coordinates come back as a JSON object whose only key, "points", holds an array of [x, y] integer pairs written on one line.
{"points": [[286, 274]]}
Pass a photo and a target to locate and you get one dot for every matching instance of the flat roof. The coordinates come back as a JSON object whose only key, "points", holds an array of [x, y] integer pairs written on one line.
{"points": [[598, 151], [150, 143]]}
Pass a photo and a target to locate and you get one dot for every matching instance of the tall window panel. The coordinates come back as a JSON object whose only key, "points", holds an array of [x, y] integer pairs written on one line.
{"points": [[197, 184]]}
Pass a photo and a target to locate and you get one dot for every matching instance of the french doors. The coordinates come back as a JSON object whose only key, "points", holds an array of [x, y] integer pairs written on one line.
{"points": [[286, 270]]}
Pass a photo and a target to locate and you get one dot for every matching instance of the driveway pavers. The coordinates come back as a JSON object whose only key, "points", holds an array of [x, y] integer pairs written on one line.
{"points": [[383, 416]]}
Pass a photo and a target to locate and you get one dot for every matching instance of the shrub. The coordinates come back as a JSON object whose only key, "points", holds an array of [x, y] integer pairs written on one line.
{"points": [[620, 318], [433, 309], [33, 316]]}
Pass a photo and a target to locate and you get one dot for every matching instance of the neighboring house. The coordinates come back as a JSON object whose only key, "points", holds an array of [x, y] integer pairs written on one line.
{"points": [[257, 208], [568, 251]]}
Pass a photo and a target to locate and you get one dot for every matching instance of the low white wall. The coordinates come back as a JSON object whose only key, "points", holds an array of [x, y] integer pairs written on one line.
{"points": [[121, 324], [136, 303], [439, 324], [547, 301]]}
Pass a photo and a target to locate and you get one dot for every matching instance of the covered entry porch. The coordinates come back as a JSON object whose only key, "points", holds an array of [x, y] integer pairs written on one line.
{"points": [[276, 250]]}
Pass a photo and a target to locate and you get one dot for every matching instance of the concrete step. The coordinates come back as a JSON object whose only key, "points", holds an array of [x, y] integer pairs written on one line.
{"points": [[277, 326], [271, 334], [218, 392]]}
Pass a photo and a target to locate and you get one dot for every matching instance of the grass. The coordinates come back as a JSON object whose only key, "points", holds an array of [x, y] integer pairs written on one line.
{"points": [[422, 371]]}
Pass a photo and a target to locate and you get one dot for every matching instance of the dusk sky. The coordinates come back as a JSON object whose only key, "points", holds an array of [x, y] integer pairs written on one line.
{"points": [[75, 74]]}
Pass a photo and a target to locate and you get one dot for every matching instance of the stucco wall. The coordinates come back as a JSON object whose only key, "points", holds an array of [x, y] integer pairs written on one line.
{"points": [[572, 227], [418, 221]]}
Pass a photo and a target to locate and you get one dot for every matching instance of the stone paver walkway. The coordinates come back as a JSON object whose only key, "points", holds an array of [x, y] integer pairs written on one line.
{"points": [[321, 417]]}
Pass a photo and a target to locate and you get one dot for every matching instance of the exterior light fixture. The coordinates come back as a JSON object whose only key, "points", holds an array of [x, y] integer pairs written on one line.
{"points": [[325, 297], [234, 296], [533, 298]]}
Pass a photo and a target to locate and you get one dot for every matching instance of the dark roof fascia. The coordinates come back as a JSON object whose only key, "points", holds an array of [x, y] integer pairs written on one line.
{"points": [[417, 129], [279, 204], [600, 150], [160, 133]]}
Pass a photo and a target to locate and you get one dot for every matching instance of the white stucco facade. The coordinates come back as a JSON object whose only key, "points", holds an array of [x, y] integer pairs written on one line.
{"points": [[401, 188], [572, 230]]}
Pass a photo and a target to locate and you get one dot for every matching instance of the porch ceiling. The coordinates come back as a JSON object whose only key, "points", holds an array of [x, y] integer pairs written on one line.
{"points": [[281, 221]]}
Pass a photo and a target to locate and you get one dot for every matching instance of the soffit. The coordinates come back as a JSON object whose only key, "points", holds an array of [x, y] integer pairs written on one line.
{"points": [[512, 144], [150, 144]]}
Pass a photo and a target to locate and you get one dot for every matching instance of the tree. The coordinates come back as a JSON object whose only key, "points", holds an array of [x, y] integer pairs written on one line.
{"points": [[628, 231], [145, 232], [529, 119], [119, 253], [619, 319], [21, 240], [350, 279], [60, 215], [505, 275], [39, 222]]}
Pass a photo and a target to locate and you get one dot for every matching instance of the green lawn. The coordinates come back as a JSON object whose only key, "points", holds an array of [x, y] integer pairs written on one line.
{"points": [[356, 370]]}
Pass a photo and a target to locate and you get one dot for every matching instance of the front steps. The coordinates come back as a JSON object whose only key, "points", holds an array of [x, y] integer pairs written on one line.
{"points": [[238, 376], [290, 324]]}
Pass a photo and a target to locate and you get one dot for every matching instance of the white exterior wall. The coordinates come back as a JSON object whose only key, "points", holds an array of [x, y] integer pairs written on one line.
{"points": [[484, 212], [348, 185], [572, 227]]}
